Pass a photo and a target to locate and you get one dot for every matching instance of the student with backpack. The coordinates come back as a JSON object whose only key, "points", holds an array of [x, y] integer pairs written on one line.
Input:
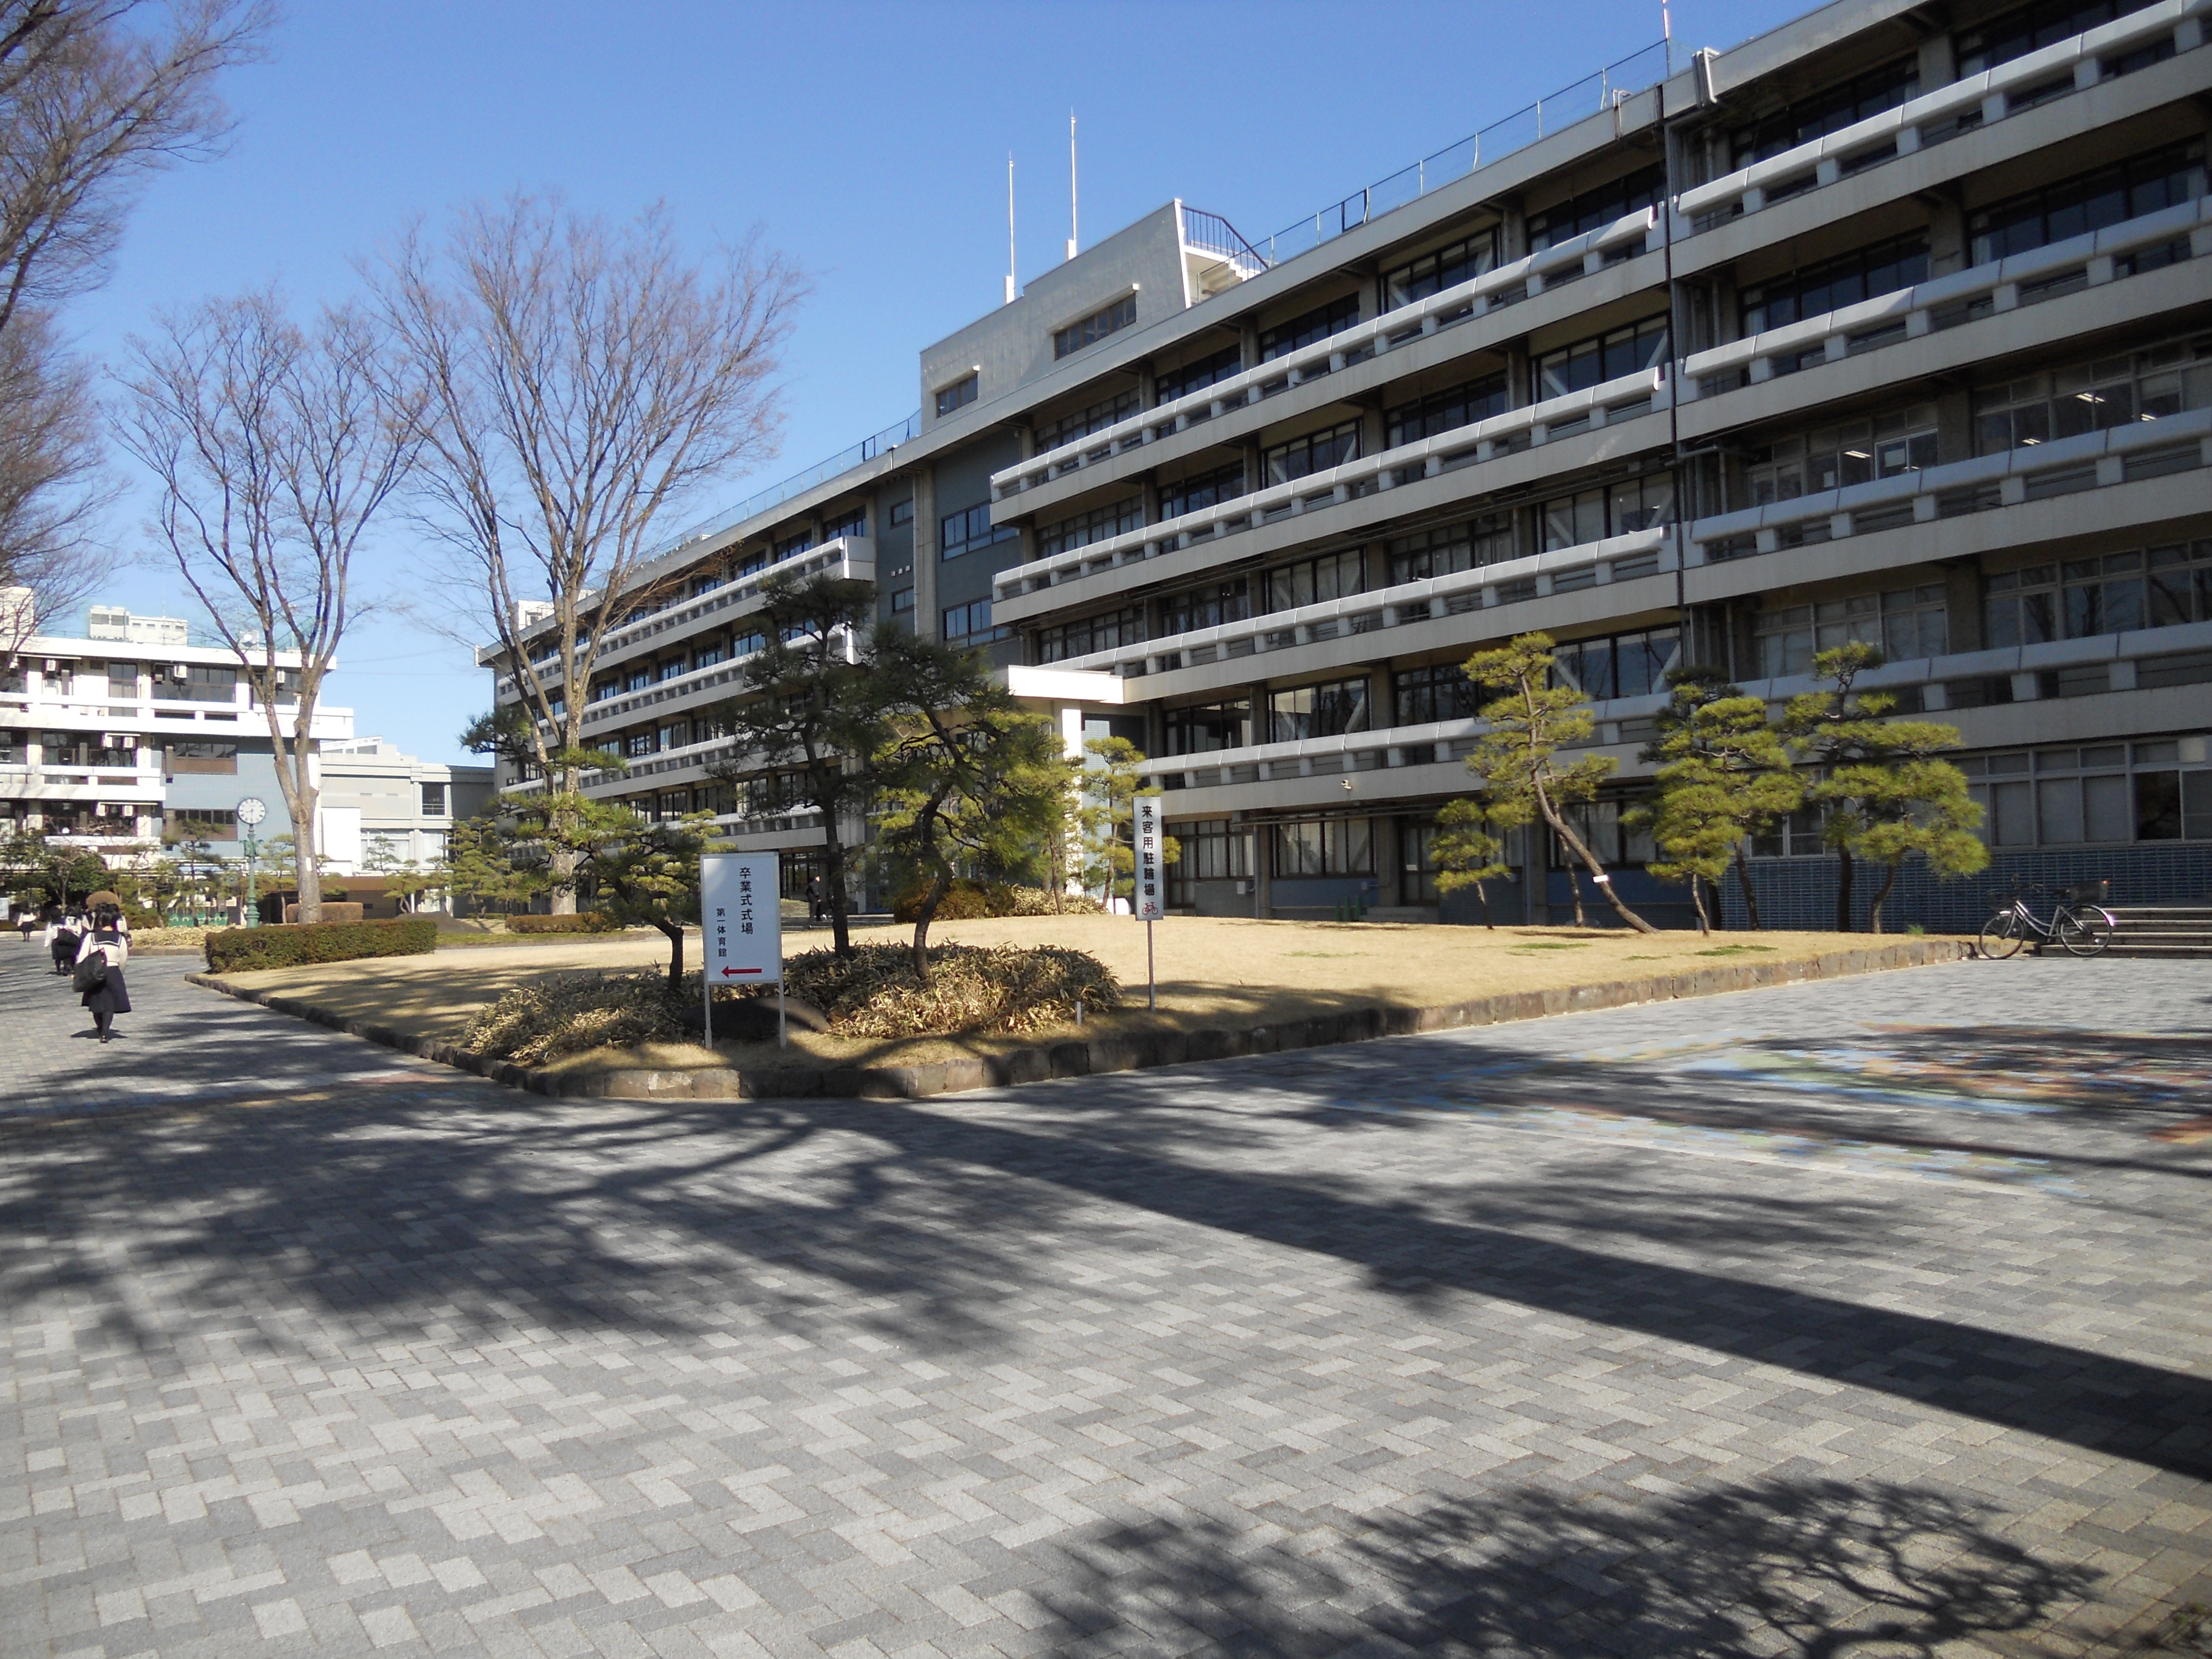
{"points": [[100, 961]]}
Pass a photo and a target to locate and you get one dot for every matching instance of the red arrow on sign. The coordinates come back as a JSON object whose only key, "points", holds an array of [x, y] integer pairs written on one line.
{"points": [[727, 972]]}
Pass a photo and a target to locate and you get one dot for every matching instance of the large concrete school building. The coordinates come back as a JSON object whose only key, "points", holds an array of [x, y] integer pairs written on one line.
{"points": [[1894, 323]]}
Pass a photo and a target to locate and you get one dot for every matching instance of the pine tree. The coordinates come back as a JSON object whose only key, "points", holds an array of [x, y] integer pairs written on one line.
{"points": [[1884, 795], [1470, 846], [1530, 720], [1724, 776]]}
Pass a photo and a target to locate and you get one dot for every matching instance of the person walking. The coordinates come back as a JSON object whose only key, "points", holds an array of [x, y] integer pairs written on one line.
{"points": [[817, 898], [100, 961], [62, 940]]}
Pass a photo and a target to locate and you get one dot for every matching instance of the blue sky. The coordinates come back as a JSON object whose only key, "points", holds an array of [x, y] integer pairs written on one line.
{"points": [[867, 141]]}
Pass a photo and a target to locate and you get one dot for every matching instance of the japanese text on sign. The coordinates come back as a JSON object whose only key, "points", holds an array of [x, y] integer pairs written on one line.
{"points": [[1152, 874], [740, 913]]}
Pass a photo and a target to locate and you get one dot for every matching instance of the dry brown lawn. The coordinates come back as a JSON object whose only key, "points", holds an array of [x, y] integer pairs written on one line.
{"points": [[1212, 972]]}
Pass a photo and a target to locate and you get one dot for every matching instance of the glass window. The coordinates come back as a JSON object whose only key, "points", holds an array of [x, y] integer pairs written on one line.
{"points": [[1082, 422], [2180, 583], [1304, 330], [1600, 358], [2094, 397], [1330, 847], [1866, 274], [1208, 728], [1446, 410], [1448, 267], [902, 514], [1616, 509], [1441, 691], [970, 624], [1202, 491], [1591, 210], [1619, 666], [433, 801], [853, 521], [2033, 28], [961, 392], [1487, 539], [1122, 315], [122, 679], [2089, 201], [1829, 112], [969, 530], [1851, 452], [2076, 600], [1212, 850], [1107, 632], [1317, 452], [1310, 581], [792, 546], [1327, 710], [1209, 607], [1100, 524], [1191, 376]]}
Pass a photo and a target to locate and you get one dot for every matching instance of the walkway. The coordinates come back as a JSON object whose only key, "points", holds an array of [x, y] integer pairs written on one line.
{"points": [[1724, 1326]]}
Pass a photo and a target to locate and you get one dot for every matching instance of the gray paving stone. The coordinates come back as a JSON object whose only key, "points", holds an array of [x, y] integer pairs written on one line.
{"points": [[1642, 1332]]}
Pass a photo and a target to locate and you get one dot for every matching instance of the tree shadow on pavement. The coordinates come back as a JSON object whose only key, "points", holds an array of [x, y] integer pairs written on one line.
{"points": [[1813, 1568]]}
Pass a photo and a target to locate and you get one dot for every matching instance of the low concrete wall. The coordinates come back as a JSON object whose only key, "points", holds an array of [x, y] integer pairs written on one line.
{"points": [[1137, 1051]]}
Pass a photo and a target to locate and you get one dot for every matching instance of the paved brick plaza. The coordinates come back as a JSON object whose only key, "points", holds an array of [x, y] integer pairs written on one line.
{"points": [[1867, 1317]]}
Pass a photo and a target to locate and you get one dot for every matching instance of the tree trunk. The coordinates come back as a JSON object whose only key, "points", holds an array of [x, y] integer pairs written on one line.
{"points": [[1574, 887], [1698, 899], [675, 931], [1576, 849], [922, 919], [1888, 881], [1482, 897], [1842, 889], [1743, 881]]}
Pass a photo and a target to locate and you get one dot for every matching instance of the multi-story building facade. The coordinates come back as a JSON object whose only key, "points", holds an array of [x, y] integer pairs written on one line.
{"points": [[378, 804], [1892, 323], [110, 738]]}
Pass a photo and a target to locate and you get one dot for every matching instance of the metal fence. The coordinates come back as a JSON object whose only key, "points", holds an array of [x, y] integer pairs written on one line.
{"points": [[1592, 96], [843, 461]]}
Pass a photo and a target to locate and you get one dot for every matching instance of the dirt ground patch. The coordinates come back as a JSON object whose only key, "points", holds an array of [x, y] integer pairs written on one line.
{"points": [[1212, 972]]}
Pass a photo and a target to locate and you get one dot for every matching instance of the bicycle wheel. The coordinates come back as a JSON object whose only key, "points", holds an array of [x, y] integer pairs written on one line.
{"points": [[2002, 935], [2085, 932]]}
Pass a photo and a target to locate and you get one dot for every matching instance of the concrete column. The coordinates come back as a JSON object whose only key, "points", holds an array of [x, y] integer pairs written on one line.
{"points": [[926, 621], [1954, 424], [1148, 488], [1962, 605], [1938, 65], [1373, 439], [1512, 231], [1148, 385], [1517, 374], [1247, 336], [1263, 871], [1026, 430], [1946, 230]]}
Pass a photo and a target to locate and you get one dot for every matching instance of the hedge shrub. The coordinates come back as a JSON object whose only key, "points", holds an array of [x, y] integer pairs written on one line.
{"points": [[590, 921], [971, 901], [238, 950]]}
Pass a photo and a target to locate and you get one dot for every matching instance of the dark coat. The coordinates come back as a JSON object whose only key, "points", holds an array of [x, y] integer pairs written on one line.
{"points": [[113, 997]]}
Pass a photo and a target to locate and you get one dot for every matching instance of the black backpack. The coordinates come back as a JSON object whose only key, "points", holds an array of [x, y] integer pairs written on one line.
{"points": [[92, 972]]}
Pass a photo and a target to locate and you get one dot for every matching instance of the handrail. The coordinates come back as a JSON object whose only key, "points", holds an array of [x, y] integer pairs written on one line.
{"points": [[1639, 393], [1465, 301], [1749, 189]]}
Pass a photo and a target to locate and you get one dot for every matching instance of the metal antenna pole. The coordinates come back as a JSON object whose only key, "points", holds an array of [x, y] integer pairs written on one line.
{"points": [[1010, 227], [1070, 185]]}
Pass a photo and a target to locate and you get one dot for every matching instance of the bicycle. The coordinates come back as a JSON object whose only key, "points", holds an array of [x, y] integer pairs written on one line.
{"points": [[2078, 927]]}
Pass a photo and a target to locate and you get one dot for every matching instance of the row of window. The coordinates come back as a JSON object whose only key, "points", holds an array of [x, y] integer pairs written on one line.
{"points": [[2089, 201], [1904, 622], [970, 531], [1100, 524], [2077, 599], [1849, 453], [970, 624], [2094, 397], [1122, 315], [1082, 422]]}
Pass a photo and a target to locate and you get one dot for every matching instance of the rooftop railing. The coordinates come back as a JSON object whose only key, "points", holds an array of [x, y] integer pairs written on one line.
{"points": [[798, 483], [1593, 95]]}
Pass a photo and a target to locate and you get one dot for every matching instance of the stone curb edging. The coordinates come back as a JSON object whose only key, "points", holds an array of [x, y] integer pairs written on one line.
{"points": [[1097, 1055]]}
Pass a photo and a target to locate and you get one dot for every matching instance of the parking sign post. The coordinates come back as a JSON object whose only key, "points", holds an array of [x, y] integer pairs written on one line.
{"points": [[1151, 894], [741, 919]]}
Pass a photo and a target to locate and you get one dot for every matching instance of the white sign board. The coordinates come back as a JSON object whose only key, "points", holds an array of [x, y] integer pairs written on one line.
{"points": [[741, 914], [1151, 894]]}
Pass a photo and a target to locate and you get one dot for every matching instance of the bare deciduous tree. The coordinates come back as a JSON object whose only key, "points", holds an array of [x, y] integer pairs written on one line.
{"points": [[274, 446], [581, 382], [96, 96]]}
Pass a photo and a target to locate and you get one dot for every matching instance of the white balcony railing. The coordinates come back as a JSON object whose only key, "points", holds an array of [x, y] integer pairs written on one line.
{"points": [[1589, 410], [853, 556], [1975, 102], [2178, 234], [2094, 259], [2143, 449], [1506, 285]]}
